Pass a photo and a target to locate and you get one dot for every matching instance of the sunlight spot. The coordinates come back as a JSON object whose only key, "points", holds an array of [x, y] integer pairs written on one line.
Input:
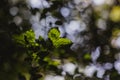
{"points": [[116, 42], [69, 68], [40, 4], [117, 65], [51, 77], [58, 78], [65, 11], [90, 70], [73, 28], [98, 2]]}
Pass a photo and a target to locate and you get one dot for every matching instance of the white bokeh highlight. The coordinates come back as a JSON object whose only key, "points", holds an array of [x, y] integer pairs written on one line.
{"points": [[17, 20], [41, 27], [51, 77], [116, 42], [98, 2], [108, 66], [73, 28], [90, 70], [69, 68], [117, 65], [13, 11], [100, 72], [40, 4], [65, 11], [95, 54]]}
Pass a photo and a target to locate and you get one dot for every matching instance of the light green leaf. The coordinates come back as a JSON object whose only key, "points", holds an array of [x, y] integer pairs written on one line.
{"points": [[28, 36], [61, 41], [54, 34], [57, 41]]}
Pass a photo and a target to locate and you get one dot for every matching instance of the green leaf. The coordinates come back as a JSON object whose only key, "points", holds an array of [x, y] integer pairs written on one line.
{"points": [[53, 62], [54, 34], [30, 36], [27, 37], [61, 42], [35, 60], [57, 41]]}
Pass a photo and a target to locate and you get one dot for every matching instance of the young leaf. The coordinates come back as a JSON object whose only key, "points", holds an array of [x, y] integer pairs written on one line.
{"points": [[27, 37], [61, 41], [54, 34]]}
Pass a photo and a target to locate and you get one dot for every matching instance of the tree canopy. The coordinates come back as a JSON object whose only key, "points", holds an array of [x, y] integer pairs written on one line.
{"points": [[60, 39]]}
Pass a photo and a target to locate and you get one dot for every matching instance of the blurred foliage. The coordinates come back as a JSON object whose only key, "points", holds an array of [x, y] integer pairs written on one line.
{"points": [[25, 38], [23, 57], [116, 32], [115, 14]]}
